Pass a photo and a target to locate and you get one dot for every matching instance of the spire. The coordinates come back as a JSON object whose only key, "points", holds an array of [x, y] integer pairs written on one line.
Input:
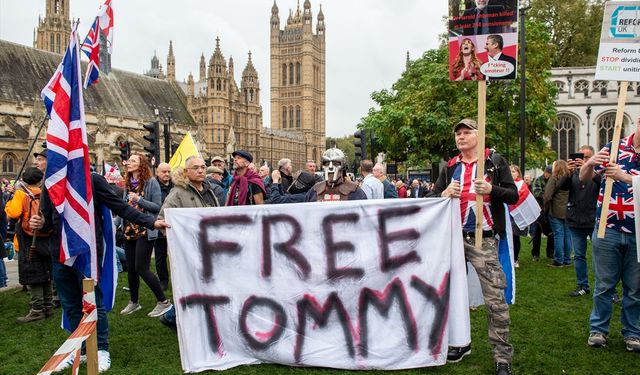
{"points": [[307, 4], [408, 62], [231, 72], [203, 68], [171, 63], [306, 16], [320, 25], [275, 19]]}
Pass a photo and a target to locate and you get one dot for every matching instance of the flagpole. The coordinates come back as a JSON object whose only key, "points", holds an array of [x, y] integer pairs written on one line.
{"points": [[35, 139]]}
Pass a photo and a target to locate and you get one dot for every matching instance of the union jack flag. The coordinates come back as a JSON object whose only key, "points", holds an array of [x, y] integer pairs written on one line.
{"points": [[466, 174], [67, 178], [91, 47]]}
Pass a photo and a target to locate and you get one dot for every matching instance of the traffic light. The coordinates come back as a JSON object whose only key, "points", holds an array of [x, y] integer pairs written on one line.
{"points": [[154, 140], [360, 143], [123, 146], [174, 148]]}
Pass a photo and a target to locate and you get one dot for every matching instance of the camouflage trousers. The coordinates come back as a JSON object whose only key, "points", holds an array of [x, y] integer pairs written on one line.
{"points": [[493, 283]]}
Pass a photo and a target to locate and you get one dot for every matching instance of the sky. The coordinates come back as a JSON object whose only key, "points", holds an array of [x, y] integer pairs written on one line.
{"points": [[366, 40]]}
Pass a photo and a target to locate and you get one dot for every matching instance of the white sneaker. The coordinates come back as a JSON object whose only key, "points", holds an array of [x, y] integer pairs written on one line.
{"points": [[161, 308], [131, 308], [69, 362], [104, 360]]}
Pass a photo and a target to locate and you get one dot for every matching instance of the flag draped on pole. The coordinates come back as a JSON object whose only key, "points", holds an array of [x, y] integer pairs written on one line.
{"points": [[67, 178], [187, 148], [91, 45], [526, 211]]}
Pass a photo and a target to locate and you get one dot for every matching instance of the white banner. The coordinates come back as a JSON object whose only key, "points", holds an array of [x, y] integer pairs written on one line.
{"points": [[355, 285], [619, 52]]}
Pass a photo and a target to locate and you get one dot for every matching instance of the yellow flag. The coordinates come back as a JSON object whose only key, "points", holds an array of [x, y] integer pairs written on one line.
{"points": [[187, 148]]}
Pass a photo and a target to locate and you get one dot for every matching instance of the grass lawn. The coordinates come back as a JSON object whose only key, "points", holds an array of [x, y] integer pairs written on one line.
{"points": [[549, 332]]}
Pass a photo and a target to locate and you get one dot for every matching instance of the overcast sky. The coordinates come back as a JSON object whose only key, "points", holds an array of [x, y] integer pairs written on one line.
{"points": [[366, 40]]}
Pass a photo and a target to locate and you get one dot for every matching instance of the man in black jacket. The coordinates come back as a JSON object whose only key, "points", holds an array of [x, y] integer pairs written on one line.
{"points": [[163, 175], [69, 279], [457, 180], [581, 216]]}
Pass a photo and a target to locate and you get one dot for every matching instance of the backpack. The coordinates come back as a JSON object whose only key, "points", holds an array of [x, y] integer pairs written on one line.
{"points": [[30, 207]]}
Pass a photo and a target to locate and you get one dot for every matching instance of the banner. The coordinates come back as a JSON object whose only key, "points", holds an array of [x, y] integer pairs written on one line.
{"points": [[356, 285], [619, 52], [483, 39]]}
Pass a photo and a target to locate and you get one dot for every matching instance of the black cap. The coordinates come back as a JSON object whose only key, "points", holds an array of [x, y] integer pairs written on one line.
{"points": [[42, 153], [32, 175], [548, 169], [244, 154]]}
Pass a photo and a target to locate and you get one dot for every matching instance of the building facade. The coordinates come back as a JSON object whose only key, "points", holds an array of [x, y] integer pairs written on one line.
{"points": [[230, 115], [587, 109], [298, 92], [53, 31]]}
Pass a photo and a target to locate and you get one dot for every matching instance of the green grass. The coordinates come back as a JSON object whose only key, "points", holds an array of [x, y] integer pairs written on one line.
{"points": [[549, 331]]}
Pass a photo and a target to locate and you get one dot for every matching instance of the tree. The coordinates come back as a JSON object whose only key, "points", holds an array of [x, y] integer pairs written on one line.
{"points": [[414, 120], [575, 29]]}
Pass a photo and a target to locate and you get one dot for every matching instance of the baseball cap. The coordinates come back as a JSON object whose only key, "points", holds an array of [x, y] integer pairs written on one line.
{"points": [[244, 154], [469, 123], [218, 158]]}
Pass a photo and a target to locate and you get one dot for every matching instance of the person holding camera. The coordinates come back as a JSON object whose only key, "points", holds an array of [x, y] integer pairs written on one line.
{"points": [[581, 214]]}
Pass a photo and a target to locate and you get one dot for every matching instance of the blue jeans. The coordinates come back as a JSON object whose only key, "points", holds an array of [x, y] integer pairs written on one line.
{"points": [[614, 259], [562, 240], [69, 286], [579, 242], [3, 274]]}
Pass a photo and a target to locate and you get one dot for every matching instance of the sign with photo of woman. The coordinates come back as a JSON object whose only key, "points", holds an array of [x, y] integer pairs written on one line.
{"points": [[483, 39]]}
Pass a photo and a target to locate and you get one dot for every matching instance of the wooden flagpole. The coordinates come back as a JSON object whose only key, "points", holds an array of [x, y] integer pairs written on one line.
{"points": [[613, 157], [482, 119], [92, 341]]}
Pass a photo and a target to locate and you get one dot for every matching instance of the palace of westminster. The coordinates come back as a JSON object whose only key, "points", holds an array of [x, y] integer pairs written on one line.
{"points": [[220, 114]]}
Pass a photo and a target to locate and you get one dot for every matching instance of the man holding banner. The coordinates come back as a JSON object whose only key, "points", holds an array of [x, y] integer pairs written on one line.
{"points": [[458, 180], [615, 255]]}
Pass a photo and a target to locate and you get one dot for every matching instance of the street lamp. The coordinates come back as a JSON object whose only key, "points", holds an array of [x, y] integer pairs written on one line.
{"points": [[167, 136], [588, 124]]}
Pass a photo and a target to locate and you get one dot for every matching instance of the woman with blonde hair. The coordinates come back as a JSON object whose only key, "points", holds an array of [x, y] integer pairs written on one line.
{"points": [[555, 203]]}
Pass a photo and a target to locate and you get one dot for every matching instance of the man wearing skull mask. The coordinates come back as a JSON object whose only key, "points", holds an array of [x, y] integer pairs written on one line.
{"points": [[334, 187]]}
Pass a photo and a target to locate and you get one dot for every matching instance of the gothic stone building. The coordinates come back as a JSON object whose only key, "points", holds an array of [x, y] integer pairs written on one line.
{"points": [[587, 109], [115, 108], [231, 117]]}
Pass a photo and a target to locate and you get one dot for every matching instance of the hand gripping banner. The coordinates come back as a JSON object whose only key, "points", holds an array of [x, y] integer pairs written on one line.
{"points": [[377, 284]]}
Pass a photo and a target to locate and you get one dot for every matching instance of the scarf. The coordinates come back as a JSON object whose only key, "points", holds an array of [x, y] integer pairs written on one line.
{"points": [[241, 183]]}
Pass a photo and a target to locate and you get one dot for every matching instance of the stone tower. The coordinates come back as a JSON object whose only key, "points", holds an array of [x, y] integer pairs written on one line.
{"points": [[53, 31], [298, 77], [171, 63]]}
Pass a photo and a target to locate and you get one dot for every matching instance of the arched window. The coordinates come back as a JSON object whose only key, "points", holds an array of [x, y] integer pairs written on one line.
{"points": [[251, 95], [52, 43], [284, 74], [284, 117], [606, 125], [599, 86], [563, 140], [9, 162], [638, 89], [582, 86], [298, 116], [218, 84], [291, 117], [297, 73], [559, 85], [291, 73]]}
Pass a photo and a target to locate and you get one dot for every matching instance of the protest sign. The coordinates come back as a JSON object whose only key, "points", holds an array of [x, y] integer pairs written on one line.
{"points": [[354, 285], [483, 39], [619, 52]]}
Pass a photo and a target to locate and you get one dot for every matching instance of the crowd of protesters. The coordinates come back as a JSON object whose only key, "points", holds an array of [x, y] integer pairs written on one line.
{"points": [[569, 191]]}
